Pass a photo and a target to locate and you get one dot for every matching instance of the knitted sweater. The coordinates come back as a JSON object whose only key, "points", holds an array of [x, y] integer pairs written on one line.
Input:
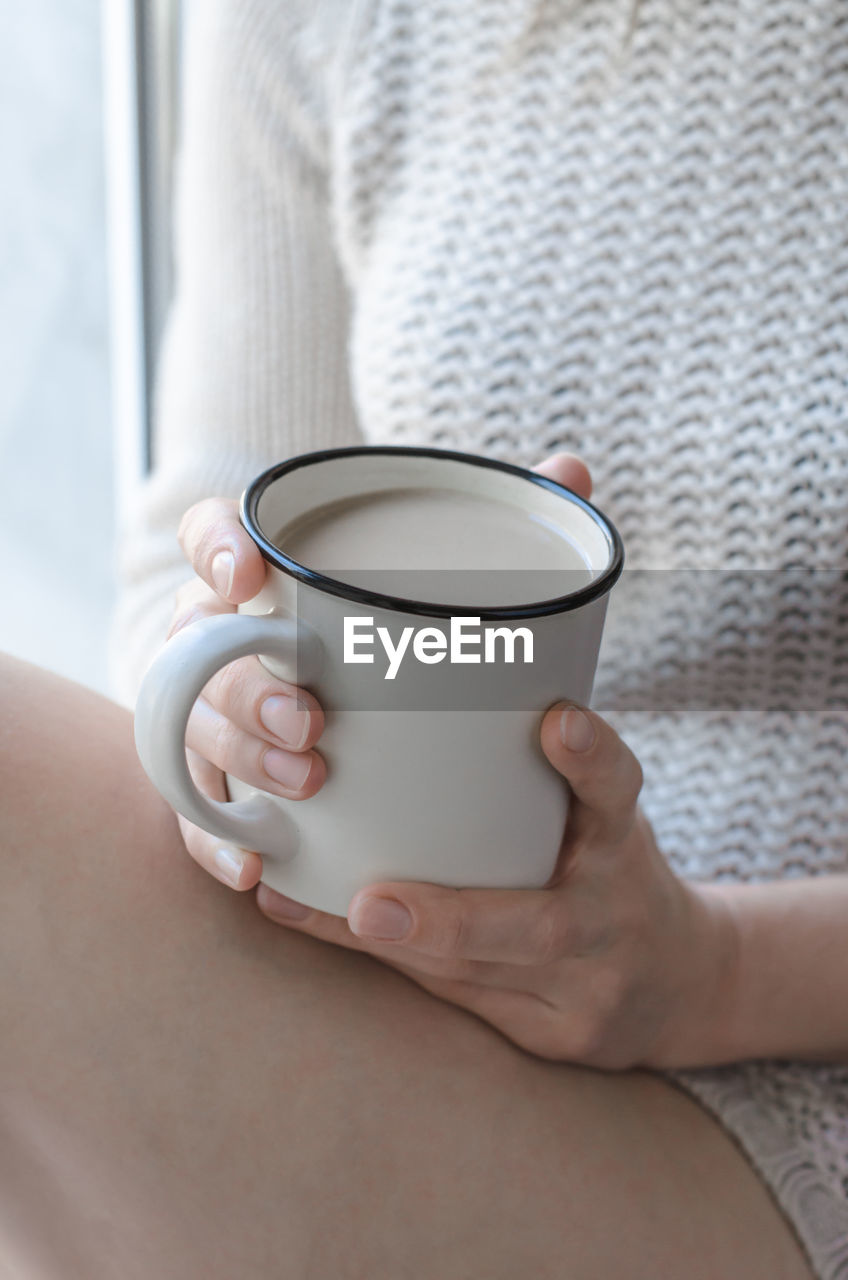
{"points": [[515, 226]]}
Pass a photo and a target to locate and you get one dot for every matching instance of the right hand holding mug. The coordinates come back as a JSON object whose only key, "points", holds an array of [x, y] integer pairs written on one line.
{"points": [[247, 723]]}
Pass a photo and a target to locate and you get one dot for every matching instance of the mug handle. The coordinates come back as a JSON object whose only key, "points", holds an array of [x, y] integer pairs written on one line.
{"points": [[170, 689]]}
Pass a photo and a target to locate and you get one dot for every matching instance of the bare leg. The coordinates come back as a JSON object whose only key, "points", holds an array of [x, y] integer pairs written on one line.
{"points": [[187, 1090]]}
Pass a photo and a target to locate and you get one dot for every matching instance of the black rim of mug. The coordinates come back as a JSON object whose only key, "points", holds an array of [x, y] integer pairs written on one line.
{"points": [[599, 586]]}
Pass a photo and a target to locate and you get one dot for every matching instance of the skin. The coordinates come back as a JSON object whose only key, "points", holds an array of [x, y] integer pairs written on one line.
{"points": [[189, 1092]]}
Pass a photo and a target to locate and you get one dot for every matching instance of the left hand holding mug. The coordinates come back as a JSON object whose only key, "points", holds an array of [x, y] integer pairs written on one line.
{"points": [[616, 963]]}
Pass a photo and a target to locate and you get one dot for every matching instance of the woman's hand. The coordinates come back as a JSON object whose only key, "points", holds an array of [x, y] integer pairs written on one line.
{"points": [[246, 723], [615, 963]]}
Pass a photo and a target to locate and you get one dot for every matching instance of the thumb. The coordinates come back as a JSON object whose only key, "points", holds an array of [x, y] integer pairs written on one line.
{"points": [[221, 551], [568, 470], [604, 775]]}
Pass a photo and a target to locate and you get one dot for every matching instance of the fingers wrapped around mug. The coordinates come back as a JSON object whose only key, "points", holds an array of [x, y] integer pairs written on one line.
{"points": [[603, 965], [518, 927], [236, 868]]}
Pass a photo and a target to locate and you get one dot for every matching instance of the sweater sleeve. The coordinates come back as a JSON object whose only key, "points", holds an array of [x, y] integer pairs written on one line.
{"points": [[254, 364]]}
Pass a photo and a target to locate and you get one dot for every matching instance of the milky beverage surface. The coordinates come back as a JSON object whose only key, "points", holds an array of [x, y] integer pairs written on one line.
{"points": [[423, 543]]}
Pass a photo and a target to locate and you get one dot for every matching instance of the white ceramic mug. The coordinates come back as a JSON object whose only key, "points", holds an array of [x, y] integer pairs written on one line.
{"points": [[437, 775]]}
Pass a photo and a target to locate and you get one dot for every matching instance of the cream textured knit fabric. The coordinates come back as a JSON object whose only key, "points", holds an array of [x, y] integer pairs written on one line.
{"points": [[512, 227]]}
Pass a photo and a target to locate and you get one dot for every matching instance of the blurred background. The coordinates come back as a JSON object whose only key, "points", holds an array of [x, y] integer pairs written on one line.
{"points": [[87, 126]]}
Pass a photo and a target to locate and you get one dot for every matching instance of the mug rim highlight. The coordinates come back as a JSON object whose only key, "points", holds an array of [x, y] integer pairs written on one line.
{"points": [[599, 586]]}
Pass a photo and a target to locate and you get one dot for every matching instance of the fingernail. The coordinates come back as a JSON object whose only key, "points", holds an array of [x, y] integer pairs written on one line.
{"points": [[286, 908], [380, 918], [230, 864], [223, 571], [287, 718], [575, 730], [289, 770]]}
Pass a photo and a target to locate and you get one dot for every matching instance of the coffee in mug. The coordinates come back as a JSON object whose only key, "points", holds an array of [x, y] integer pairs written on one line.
{"points": [[409, 530]]}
